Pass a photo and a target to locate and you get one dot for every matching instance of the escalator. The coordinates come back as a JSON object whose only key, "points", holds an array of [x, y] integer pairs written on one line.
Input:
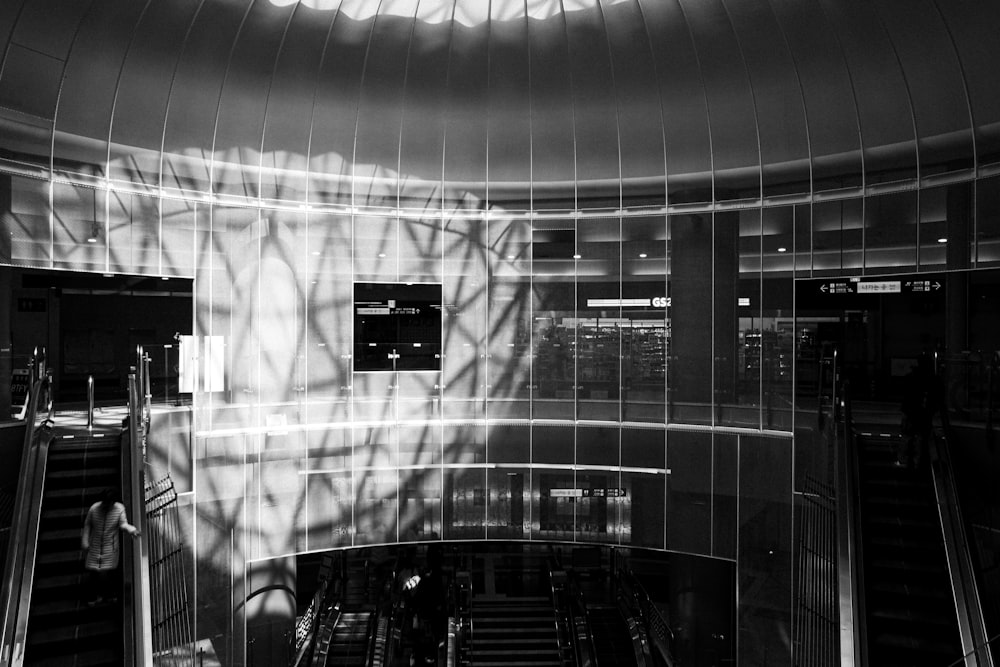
{"points": [[909, 607], [62, 628], [613, 646]]}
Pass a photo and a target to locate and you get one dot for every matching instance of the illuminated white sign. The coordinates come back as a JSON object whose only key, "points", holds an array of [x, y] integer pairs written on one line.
{"points": [[655, 302], [880, 287], [743, 301]]}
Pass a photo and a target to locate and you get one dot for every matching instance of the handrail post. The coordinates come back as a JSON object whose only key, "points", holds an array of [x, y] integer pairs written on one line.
{"points": [[90, 402]]}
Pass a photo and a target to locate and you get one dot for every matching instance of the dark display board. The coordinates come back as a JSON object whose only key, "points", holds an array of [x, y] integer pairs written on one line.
{"points": [[397, 327]]}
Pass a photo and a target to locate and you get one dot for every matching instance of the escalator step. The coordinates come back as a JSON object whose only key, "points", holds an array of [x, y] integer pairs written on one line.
{"points": [[92, 658]]}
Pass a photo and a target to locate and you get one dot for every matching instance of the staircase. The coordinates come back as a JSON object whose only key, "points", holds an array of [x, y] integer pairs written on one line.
{"points": [[513, 631], [911, 618], [62, 629]]}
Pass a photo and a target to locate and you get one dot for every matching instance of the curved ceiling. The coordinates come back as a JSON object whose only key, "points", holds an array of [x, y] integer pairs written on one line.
{"points": [[563, 101]]}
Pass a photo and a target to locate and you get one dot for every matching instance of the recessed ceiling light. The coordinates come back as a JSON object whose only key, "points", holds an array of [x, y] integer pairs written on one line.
{"points": [[782, 249], [511, 257], [642, 255], [577, 256], [381, 254], [942, 240]]}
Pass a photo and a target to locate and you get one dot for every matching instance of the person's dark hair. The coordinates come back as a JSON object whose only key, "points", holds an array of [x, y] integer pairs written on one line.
{"points": [[108, 497]]}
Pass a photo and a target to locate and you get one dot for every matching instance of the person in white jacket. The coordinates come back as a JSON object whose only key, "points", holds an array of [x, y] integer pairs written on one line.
{"points": [[101, 545]]}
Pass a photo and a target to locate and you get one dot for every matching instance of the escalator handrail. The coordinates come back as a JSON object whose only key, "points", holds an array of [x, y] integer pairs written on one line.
{"points": [[19, 569], [630, 604], [138, 635], [583, 635], [961, 572], [850, 572]]}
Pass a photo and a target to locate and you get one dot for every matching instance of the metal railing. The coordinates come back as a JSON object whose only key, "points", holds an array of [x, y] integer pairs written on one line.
{"points": [[171, 622], [137, 633], [961, 571], [19, 568]]}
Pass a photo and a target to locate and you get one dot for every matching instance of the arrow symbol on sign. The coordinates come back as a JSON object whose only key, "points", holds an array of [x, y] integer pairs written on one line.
{"points": [[937, 286], [822, 288]]}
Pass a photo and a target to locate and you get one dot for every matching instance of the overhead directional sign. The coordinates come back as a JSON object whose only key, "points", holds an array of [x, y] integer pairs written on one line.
{"points": [[836, 288], [923, 285]]}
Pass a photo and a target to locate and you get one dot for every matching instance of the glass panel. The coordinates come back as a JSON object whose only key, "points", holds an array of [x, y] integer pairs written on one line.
{"points": [[239, 132], [376, 503], [689, 492], [554, 334], [509, 114], [331, 152], [421, 143], [827, 95], [641, 511], [934, 226], [290, 107], [598, 510], [465, 443], [330, 503], [883, 101], [197, 85], [725, 337], [837, 236], [376, 145], [753, 344], [691, 278], [466, 129], [88, 85], [643, 448], [508, 444], [420, 505], [512, 503], [645, 328], [735, 147], [556, 514], [970, 28], [553, 444], [640, 118], [421, 248], [599, 340], [938, 96], [803, 226], [890, 233], [725, 492], [765, 550], [597, 446], [133, 226], [595, 115], [277, 493], [329, 306], [465, 319], [777, 323], [180, 220], [28, 223], [508, 368], [682, 96], [779, 108], [222, 541], [465, 504], [79, 232], [141, 99], [551, 97], [987, 238], [419, 395], [376, 248]]}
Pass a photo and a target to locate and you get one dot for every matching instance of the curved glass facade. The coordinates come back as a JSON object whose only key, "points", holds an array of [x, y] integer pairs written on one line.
{"points": [[618, 200]]}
